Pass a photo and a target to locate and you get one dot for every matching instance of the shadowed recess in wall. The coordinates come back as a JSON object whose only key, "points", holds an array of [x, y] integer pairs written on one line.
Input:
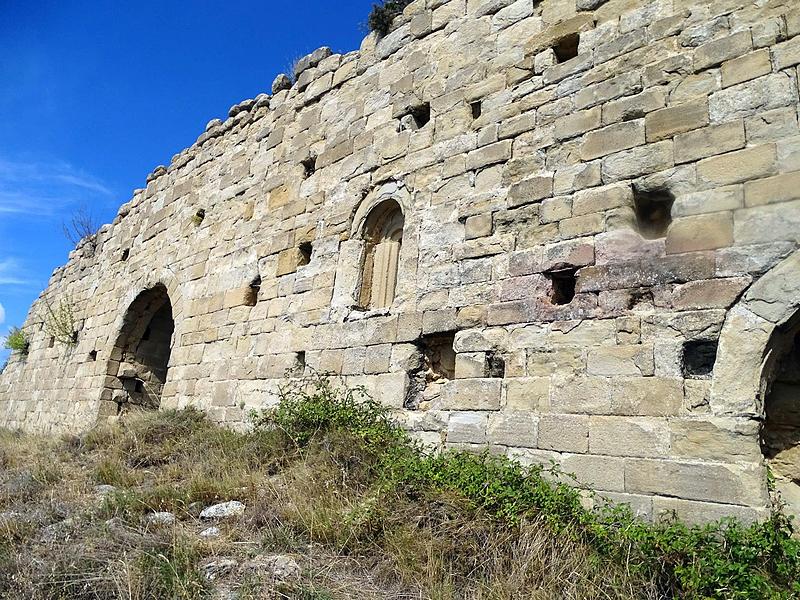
{"points": [[141, 354]]}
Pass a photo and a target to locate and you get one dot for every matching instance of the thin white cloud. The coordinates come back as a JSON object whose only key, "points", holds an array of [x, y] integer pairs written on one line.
{"points": [[47, 188], [2, 314], [11, 273]]}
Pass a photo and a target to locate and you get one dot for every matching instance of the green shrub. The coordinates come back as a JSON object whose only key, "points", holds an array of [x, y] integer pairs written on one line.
{"points": [[16, 341], [381, 17], [725, 559], [60, 322]]}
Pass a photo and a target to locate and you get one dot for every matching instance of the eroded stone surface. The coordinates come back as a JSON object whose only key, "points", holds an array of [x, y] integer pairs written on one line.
{"points": [[513, 301]]}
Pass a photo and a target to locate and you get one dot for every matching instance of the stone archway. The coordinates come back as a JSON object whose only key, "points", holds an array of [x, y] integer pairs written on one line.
{"points": [[757, 373], [140, 357]]}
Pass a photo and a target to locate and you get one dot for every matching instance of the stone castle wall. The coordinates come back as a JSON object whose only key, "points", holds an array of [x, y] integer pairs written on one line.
{"points": [[598, 261]]}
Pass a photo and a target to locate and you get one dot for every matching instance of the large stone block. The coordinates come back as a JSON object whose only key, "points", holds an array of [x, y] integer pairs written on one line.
{"points": [[668, 122], [470, 394], [629, 436], [518, 429], [734, 484], [739, 166], [613, 138], [700, 232], [708, 141], [564, 433]]}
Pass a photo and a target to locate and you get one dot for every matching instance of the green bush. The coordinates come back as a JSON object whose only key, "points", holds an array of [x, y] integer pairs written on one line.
{"points": [[381, 17], [16, 341], [725, 559]]}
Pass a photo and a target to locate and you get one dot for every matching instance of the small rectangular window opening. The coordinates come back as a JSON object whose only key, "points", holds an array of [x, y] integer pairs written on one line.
{"points": [[309, 165], [52, 342], [476, 108], [567, 47], [653, 210], [562, 285], [305, 249], [699, 357], [126, 254], [496, 365], [251, 297], [421, 115], [139, 386], [439, 356], [199, 216], [93, 355]]}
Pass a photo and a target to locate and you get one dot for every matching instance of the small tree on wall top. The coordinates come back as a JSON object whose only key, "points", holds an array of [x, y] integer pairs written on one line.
{"points": [[381, 17]]}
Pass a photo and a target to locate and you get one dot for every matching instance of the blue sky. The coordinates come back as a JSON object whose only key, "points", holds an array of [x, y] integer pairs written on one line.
{"points": [[95, 94]]}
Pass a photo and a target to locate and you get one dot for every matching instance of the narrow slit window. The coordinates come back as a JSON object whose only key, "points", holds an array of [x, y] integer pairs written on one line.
{"points": [[126, 254], [199, 216], [93, 355], [567, 47], [653, 212], [496, 365]]}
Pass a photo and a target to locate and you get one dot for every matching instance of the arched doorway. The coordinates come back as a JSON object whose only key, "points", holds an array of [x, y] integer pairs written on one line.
{"points": [[780, 431], [140, 358], [757, 373]]}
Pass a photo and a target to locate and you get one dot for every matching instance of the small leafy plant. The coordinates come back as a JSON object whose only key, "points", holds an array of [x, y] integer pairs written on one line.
{"points": [[16, 341], [381, 17], [60, 322]]}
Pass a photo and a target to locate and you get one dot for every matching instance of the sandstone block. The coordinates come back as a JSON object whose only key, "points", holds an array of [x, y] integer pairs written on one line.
{"points": [[613, 361], [700, 513], [616, 87], [470, 365], [467, 428], [668, 122], [739, 166], [629, 436], [708, 141], [478, 226], [613, 138], [564, 433], [288, 261], [715, 439], [584, 395], [716, 52], [745, 485], [712, 293], [602, 199], [700, 232], [470, 394], [746, 67], [602, 473], [646, 273], [751, 97], [489, 155], [786, 54], [577, 123], [638, 161], [527, 393], [634, 107], [530, 190], [781, 188], [509, 428], [718, 199], [648, 396]]}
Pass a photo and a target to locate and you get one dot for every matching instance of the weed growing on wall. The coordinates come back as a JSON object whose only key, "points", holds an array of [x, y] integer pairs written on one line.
{"points": [[16, 341], [60, 322]]}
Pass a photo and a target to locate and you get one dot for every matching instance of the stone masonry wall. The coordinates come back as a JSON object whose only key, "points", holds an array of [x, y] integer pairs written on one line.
{"points": [[655, 175]]}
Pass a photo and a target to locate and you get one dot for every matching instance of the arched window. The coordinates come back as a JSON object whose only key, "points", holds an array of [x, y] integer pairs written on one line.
{"points": [[383, 234]]}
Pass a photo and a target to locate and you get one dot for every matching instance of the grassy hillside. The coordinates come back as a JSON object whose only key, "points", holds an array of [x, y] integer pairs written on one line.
{"points": [[339, 503]]}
